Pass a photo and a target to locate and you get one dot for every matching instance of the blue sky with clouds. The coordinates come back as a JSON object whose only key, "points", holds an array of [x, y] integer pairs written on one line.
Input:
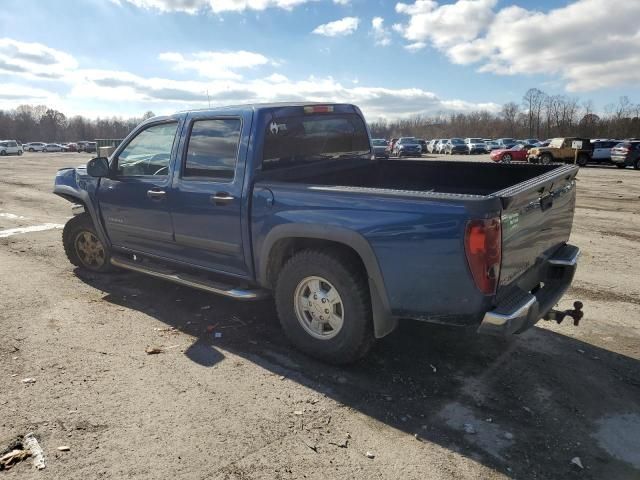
{"points": [[122, 57]]}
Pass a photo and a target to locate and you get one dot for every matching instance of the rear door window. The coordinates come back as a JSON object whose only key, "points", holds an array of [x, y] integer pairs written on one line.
{"points": [[303, 139], [212, 151]]}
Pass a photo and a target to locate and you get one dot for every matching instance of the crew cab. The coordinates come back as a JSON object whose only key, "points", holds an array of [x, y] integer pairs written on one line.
{"points": [[561, 150], [287, 200]]}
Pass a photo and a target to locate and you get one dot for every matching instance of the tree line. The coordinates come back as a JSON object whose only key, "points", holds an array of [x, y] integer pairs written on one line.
{"points": [[538, 115], [31, 123]]}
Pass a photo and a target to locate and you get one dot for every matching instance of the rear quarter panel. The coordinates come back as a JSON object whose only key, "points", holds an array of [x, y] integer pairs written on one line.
{"points": [[418, 243]]}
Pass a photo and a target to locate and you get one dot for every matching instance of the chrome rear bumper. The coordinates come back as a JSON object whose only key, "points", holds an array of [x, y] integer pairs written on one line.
{"points": [[522, 310]]}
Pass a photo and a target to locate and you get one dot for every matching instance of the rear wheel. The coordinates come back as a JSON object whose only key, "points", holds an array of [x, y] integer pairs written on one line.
{"points": [[19, 152], [637, 164], [324, 306], [83, 247], [583, 160], [621, 165], [3, 153]]}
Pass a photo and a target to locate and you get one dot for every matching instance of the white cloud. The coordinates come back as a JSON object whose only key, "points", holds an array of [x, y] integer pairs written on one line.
{"points": [[33, 60], [217, 6], [344, 26], [215, 64], [590, 44], [381, 35]]}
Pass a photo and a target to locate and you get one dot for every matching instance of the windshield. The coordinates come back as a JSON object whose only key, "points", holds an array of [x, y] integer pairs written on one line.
{"points": [[298, 140], [377, 142], [408, 141], [476, 140], [457, 141]]}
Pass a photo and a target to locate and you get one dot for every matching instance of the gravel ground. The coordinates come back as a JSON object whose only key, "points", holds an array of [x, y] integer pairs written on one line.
{"points": [[429, 402]]}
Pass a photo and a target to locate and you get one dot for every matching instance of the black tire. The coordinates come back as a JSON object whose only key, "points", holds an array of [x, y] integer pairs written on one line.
{"points": [[506, 158], [546, 159], [637, 164], [583, 159], [2, 153], [74, 228], [19, 152], [621, 165], [355, 337]]}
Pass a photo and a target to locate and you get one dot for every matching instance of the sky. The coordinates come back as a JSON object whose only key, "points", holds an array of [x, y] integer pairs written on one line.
{"points": [[393, 59]]}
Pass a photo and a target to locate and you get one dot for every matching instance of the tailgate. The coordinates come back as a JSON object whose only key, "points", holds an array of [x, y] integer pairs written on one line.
{"points": [[536, 220]]}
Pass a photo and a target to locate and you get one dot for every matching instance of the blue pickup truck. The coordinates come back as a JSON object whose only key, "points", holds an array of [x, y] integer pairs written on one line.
{"points": [[287, 200]]}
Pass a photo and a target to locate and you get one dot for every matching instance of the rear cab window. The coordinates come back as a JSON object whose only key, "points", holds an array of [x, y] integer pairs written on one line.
{"points": [[305, 139]]}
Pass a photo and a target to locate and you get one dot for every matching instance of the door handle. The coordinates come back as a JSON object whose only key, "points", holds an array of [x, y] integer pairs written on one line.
{"points": [[222, 198], [156, 194]]}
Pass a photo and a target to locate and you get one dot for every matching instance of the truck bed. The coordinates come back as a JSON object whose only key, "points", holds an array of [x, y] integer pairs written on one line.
{"points": [[467, 178]]}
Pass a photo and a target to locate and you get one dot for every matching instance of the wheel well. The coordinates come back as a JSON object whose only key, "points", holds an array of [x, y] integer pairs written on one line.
{"points": [[285, 248]]}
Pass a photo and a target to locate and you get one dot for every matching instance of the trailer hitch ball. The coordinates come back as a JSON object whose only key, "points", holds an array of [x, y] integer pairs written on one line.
{"points": [[576, 314]]}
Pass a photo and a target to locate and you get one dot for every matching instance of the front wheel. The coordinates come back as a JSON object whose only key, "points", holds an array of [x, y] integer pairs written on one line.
{"points": [[506, 158], [83, 246], [324, 306], [19, 152], [546, 159], [621, 165]]}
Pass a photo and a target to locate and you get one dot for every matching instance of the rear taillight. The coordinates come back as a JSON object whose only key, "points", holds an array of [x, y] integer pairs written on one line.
{"points": [[483, 246]]}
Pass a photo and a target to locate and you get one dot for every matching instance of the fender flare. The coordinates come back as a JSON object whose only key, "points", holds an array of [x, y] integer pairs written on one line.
{"points": [[82, 196], [383, 321]]}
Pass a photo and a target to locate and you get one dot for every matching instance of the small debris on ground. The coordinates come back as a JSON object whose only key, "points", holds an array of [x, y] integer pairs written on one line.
{"points": [[9, 459], [370, 454], [297, 412], [508, 435], [31, 443], [217, 335], [28, 380], [342, 380], [64, 448], [577, 462], [433, 367], [206, 307], [153, 350], [469, 428]]}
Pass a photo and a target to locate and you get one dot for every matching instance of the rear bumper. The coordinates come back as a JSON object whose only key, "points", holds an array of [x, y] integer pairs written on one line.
{"points": [[522, 310]]}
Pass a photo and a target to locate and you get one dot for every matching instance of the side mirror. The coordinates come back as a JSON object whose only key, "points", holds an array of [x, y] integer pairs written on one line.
{"points": [[98, 167]]}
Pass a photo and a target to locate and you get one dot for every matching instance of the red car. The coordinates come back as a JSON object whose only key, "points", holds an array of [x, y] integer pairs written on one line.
{"points": [[517, 153]]}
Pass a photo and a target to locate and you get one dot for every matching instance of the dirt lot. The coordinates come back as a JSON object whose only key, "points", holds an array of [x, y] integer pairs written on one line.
{"points": [[428, 402]]}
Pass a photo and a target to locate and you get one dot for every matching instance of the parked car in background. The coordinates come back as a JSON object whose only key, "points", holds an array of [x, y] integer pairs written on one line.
{"points": [[423, 144], [626, 154], [431, 146], [561, 150], [475, 145], [33, 146], [440, 145], [91, 147], [52, 147], [517, 153], [531, 141], [380, 148], [414, 240], [392, 144], [602, 150], [505, 142], [455, 145], [407, 147], [10, 147], [70, 147], [490, 145]]}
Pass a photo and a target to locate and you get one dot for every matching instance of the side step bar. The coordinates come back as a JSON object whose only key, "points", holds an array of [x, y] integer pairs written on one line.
{"points": [[189, 280]]}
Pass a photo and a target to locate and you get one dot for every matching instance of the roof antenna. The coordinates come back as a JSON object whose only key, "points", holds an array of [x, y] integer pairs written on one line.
{"points": [[208, 99]]}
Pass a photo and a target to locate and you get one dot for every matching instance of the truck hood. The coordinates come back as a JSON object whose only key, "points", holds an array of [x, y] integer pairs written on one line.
{"points": [[539, 150]]}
